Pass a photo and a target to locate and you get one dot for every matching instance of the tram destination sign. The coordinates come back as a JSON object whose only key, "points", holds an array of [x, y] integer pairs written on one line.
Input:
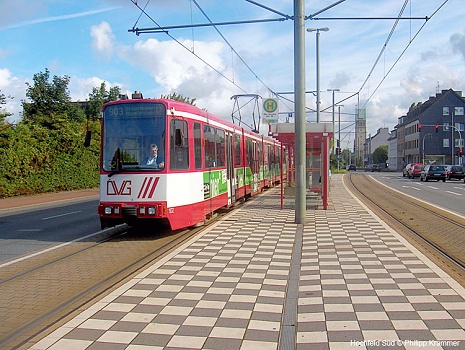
{"points": [[270, 111]]}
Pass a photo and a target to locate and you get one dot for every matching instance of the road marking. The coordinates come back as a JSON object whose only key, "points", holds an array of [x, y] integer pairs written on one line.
{"points": [[415, 188], [434, 188], [66, 214], [116, 229], [457, 194]]}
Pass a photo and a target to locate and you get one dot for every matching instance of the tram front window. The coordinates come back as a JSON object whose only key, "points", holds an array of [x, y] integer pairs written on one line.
{"points": [[130, 133]]}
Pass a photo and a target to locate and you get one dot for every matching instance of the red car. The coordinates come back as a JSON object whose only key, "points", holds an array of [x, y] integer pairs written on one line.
{"points": [[415, 170]]}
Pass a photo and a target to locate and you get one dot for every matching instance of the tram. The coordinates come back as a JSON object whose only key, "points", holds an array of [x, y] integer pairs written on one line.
{"points": [[167, 162]]}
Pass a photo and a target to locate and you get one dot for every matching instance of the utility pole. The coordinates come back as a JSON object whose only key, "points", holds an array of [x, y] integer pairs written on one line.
{"points": [[300, 127]]}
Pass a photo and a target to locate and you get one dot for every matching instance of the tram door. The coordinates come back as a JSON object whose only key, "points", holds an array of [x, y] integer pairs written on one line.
{"points": [[230, 168]]}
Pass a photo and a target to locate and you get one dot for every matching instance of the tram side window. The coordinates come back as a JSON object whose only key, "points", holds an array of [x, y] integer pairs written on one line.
{"points": [[259, 157], [197, 146], [237, 151], [249, 153], [179, 146], [220, 148], [209, 146]]}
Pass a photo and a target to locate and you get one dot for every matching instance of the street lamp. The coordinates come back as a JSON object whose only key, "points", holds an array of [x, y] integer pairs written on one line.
{"points": [[318, 30], [334, 133]]}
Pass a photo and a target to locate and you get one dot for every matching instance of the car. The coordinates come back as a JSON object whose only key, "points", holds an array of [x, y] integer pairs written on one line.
{"points": [[351, 167], [405, 170], [434, 172], [414, 170], [455, 172], [375, 167]]}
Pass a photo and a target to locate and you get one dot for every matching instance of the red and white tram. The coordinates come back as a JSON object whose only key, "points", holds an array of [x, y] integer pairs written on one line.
{"points": [[202, 163]]}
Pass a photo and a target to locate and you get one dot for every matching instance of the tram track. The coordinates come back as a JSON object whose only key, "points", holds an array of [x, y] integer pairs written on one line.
{"points": [[437, 233], [43, 292]]}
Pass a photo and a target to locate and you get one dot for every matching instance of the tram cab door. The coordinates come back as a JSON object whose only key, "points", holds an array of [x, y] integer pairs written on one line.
{"points": [[232, 185]]}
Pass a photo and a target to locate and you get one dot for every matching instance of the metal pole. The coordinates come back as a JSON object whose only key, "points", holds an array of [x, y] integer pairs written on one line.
{"points": [[339, 135], [334, 138], [452, 159], [300, 125], [318, 76]]}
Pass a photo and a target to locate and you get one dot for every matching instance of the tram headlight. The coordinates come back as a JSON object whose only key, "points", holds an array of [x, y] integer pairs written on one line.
{"points": [[142, 210], [108, 210], [151, 210]]}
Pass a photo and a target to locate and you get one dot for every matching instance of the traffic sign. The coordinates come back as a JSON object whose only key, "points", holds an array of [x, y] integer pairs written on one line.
{"points": [[270, 111]]}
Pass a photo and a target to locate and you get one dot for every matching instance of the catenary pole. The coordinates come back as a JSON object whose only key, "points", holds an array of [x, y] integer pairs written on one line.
{"points": [[300, 123]]}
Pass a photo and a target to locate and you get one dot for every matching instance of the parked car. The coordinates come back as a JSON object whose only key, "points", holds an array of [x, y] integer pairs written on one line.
{"points": [[415, 170], [405, 170], [455, 172], [368, 167], [434, 172], [352, 167]]}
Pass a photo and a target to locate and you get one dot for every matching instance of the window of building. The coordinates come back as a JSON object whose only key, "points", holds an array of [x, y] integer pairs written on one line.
{"points": [[445, 143]]}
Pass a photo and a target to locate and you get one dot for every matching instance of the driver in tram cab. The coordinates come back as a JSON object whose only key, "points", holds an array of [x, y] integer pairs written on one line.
{"points": [[154, 160]]}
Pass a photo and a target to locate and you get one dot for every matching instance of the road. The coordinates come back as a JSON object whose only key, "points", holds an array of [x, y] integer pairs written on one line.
{"points": [[449, 195], [27, 229]]}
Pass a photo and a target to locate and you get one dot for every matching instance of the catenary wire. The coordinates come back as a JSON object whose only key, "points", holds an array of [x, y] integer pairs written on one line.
{"points": [[400, 56]]}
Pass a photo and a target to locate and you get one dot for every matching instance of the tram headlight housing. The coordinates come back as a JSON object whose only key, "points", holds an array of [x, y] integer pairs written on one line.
{"points": [[151, 210], [108, 210]]}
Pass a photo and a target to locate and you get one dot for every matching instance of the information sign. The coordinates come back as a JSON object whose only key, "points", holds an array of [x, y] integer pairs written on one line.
{"points": [[270, 111]]}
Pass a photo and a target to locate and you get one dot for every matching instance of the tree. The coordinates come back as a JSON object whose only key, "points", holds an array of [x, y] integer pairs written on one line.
{"points": [[181, 98], [380, 155], [98, 97], [50, 101]]}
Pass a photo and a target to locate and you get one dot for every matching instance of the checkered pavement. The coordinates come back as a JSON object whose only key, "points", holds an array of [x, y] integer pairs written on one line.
{"points": [[257, 280]]}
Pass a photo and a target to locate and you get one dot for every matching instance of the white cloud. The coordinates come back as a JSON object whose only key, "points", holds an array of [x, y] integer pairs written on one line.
{"points": [[15, 87], [103, 40]]}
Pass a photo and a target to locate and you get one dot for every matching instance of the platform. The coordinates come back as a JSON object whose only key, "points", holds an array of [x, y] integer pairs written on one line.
{"points": [[256, 280]]}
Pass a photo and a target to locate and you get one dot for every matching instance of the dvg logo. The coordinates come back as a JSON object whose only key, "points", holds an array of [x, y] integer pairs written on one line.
{"points": [[123, 190]]}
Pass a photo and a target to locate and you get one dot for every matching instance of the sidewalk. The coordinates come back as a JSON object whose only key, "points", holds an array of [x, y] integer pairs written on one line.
{"points": [[20, 203], [257, 280]]}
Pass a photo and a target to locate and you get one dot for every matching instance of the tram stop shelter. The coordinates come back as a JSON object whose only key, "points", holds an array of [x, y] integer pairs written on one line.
{"points": [[318, 136]]}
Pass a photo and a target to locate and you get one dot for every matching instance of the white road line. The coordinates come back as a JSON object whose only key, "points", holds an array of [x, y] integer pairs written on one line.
{"points": [[118, 228], [457, 194], [415, 188], [66, 214]]}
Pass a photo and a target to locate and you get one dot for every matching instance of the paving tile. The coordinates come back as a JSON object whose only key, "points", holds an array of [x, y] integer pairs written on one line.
{"points": [[227, 289]]}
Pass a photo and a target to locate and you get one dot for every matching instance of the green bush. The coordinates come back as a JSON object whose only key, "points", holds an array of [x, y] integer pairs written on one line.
{"points": [[36, 159]]}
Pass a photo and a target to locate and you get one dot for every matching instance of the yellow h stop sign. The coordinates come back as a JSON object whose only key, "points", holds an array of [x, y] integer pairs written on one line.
{"points": [[270, 111]]}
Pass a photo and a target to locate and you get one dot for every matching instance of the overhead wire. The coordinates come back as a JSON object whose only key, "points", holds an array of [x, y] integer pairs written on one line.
{"points": [[400, 56], [184, 46], [230, 46]]}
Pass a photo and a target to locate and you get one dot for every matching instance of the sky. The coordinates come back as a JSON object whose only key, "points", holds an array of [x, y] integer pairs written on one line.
{"points": [[384, 64]]}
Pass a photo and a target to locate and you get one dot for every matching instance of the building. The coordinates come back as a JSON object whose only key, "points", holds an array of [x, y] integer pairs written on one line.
{"points": [[373, 142], [432, 131], [360, 135], [392, 150]]}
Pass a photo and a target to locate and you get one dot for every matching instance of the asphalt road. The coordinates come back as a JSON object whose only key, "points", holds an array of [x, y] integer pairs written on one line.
{"points": [[29, 229], [448, 195]]}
